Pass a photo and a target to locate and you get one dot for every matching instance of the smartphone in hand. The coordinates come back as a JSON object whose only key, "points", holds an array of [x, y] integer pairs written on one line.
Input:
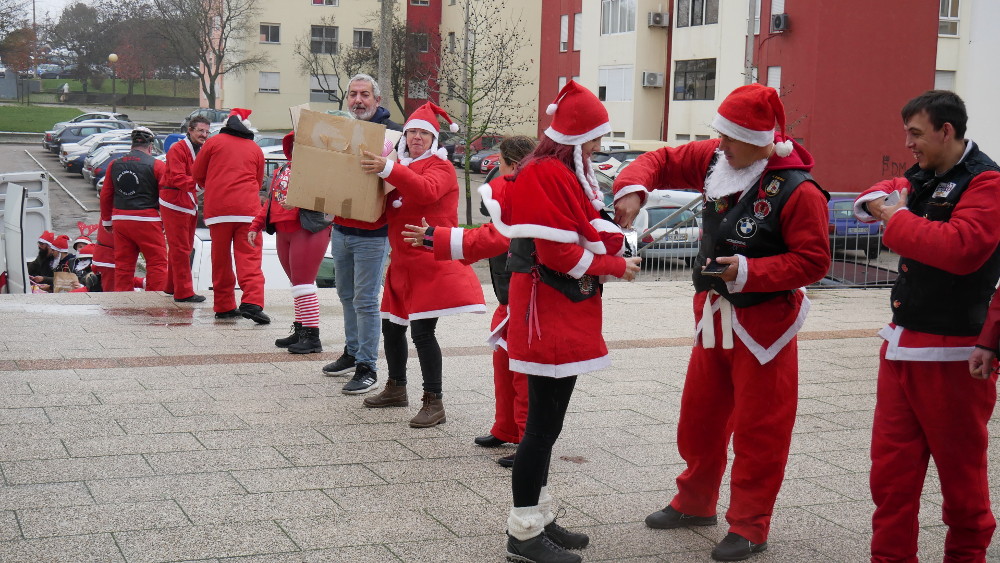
{"points": [[714, 269]]}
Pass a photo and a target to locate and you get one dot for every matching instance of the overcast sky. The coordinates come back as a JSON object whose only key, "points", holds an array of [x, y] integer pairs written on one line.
{"points": [[53, 7]]}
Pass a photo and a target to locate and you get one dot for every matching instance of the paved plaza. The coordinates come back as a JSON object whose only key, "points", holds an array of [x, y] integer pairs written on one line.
{"points": [[136, 429]]}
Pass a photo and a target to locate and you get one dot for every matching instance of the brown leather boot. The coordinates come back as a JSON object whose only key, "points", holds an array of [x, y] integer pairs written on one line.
{"points": [[431, 414], [391, 396]]}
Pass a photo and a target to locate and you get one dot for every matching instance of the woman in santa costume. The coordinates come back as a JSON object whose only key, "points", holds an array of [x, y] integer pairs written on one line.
{"points": [[510, 388], [302, 239], [560, 248], [765, 221], [419, 289]]}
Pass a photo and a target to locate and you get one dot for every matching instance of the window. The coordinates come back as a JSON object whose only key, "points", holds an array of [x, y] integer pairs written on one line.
{"points": [[694, 80], [270, 33], [562, 82], [577, 31], [697, 12], [756, 17], [325, 2], [363, 38], [774, 78], [420, 3], [944, 80], [321, 86], [563, 33], [417, 90], [269, 82], [422, 42], [617, 16], [948, 21], [614, 83], [701, 137], [324, 39], [777, 7], [681, 137], [451, 41], [451, 2]]}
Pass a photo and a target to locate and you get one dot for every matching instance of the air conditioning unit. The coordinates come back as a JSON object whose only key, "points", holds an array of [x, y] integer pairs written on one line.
{"points": [[652, 79], [779, 22], [658, 19]]}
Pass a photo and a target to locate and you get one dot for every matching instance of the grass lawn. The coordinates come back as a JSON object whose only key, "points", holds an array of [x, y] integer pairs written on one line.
{"points": [[33, 119], [186, 88]]}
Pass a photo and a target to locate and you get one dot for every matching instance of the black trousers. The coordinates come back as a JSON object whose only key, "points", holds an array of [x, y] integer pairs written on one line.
{"points": [[548, 399], [428, 351]]}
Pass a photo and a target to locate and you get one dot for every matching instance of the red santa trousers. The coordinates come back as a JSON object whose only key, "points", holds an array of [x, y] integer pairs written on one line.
{"points": [[131, 238], [229, 239], [728, 393], [511, 391], [179, 228], [926, 409]]}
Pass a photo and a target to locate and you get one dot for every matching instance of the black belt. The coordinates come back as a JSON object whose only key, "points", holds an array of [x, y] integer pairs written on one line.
{"points": [[382, 231]]}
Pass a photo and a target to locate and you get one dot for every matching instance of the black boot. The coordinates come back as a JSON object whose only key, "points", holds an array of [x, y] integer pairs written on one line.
{"points": [[308, 341], [565, 538], [539, 549], [291, 338]]}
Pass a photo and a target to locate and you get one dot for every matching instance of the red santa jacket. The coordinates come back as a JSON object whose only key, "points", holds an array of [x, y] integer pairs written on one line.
{"points": [[416, 285], [765, 329], [230, 168], [108, 209], [284, 220], [179, 189]]}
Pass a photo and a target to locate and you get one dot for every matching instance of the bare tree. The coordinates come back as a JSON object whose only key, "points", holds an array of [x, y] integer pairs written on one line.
{"points": [[211, 38], [330, 61], [482, 74], [13, 15]]}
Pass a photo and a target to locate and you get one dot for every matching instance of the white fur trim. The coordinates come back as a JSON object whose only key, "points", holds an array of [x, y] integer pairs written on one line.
{"points": [[560, 370], [496, 337], [931, 354], [586, 259], [420, 124], [387, 169], [551, 109], [633, 189], [605, 226], [783, 148], [433, 314], [229, 219], [177, 208], [740, 282], [132, 218], [105, 223], [303, 289], [102, 264], [457, 234], [525, 522], [599, 131], [859, 208], [765, 355], [740, 133]]}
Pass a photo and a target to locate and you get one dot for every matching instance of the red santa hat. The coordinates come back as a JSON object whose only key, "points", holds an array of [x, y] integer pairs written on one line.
{"points": [[426, 117], [82, 238], [243, 115], [579, 116], [749, 114], [87, 251], [49, 238], [61, 243]]}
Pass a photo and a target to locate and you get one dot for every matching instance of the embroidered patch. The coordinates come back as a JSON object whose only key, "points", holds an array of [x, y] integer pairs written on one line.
{"points": [[761, 208], [774, 186], [905, 268], [746, 227], [943, 189], [896, 304], [722, 205]]}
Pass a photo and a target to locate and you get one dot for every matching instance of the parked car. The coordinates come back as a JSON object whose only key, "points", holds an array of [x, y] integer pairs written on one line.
{"points": [[264, 141], [83, 147], [484, 160], [49, 71], [77, 132], [3, 71], [215, 116], [456, 151], [274, 275], [100, 167], [611, 162], [95, 115], [679, 237], [847, 233]]}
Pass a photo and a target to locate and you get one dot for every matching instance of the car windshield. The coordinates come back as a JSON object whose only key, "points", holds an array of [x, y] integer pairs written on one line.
{"points": [[683, 219], [842, 209]]}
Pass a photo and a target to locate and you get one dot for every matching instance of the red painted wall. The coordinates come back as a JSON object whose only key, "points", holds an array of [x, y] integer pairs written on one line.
{"points": [[552, 64], [847, 68], [425, 19]]}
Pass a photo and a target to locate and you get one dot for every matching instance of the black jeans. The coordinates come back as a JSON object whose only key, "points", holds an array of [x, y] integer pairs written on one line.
{"points": [[548, 398], [428, 351]]}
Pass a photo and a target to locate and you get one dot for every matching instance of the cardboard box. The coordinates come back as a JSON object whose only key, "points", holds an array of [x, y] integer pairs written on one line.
{"points": [[326, 173]]}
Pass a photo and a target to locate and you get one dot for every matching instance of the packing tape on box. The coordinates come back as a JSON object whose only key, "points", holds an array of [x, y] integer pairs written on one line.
{"points": [[345, 208]]}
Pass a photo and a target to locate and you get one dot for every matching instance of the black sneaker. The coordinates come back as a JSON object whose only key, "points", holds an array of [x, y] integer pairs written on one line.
{"points": [[670, 518], [255, 313], [192, 299], [735, 547], [538, 549], [344, 365], [365, 379], [565, 538], [234, 314]]}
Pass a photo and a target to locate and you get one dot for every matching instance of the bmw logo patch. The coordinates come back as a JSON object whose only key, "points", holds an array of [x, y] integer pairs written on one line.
{"points": [[746, 227]]}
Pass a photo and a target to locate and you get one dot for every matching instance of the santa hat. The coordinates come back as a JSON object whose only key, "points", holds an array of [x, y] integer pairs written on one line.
{"points": [[749, 114], [87, 251], [287, 142], [49, 238], [61, 243], [82, 238], [426, 117], [579, 116], [243, 115]]}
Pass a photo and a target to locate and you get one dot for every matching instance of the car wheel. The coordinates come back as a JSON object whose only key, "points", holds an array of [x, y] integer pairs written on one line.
{"points": [[874, 249]]}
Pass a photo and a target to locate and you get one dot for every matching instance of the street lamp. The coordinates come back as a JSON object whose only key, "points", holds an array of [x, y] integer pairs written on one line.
{"points": [[112, 59]]}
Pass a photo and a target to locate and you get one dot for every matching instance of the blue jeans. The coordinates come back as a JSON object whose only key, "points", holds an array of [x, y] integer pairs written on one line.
{"points": [[359, 263]]}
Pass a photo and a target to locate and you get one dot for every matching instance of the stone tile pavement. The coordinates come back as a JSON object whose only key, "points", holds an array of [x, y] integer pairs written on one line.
{"points": [[136, 429]]}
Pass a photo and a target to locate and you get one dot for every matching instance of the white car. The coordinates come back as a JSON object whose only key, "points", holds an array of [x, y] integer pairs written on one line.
{"points": [[669, 226], [274, 275], [92, 115], [72, 150]]}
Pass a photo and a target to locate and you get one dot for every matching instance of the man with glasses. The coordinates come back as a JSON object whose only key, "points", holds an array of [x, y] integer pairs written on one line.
{"points": [[179, 209]]}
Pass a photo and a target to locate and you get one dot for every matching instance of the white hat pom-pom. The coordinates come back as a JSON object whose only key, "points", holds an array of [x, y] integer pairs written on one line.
{"points": [[783, 149], [453, 127], [551, 110]]}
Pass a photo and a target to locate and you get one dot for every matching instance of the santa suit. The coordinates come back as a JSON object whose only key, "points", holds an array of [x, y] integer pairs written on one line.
{"points": [[230, 167], [179, 210], [927, 403], [468, 246], [416, 285], [129, 203], [742, 379]]}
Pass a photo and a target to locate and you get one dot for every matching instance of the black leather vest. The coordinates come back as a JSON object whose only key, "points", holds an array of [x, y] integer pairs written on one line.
{"points": [[522, 259], [930, 300], [135, 184], [501, 277], [750, 226]]}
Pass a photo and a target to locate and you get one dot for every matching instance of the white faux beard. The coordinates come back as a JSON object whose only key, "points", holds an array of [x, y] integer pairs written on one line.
{"points": [[723, 179]]}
